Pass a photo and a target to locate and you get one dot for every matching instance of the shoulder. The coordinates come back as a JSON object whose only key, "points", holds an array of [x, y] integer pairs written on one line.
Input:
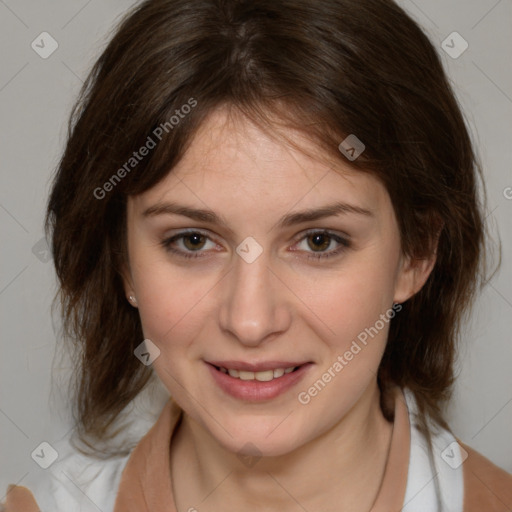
{"points": [[75, 481], [452, 473], [486, 486]]}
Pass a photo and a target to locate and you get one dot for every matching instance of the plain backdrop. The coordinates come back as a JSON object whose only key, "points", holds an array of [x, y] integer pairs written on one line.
{"points": [[36, 95]]}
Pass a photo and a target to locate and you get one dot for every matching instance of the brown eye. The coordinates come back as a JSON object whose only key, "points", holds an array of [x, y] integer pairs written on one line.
{"points": [[188, 244], [320, 241], [317, 243], [194, 241]]}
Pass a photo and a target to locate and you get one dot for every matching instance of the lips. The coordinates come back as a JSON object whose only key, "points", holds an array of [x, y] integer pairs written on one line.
{"points": [[257, 381]]}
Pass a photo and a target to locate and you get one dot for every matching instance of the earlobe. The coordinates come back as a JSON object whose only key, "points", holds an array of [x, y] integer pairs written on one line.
{"points": [[128, 286]]}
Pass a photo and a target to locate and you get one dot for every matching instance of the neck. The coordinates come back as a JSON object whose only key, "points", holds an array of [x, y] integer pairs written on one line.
{"points": [[340, 470]]}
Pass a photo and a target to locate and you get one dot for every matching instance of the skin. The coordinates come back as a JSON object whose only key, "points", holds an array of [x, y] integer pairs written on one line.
{"points": [[329, 454]]}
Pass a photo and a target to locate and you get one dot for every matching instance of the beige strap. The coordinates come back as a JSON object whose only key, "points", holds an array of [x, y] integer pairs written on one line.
{"points": [[20, 499]]}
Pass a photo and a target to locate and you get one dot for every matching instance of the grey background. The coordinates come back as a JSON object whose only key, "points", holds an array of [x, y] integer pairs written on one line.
{"points": [[36, 95]]}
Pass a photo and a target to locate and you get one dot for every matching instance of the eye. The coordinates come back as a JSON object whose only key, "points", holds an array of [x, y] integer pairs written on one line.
{"points": [[320, 240], [192, 241]]}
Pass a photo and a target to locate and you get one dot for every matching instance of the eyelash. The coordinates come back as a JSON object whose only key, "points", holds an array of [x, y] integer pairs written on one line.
{"points": [[344, 244]]}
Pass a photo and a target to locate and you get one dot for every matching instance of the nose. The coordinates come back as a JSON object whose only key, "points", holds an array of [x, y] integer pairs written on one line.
{"points": [[255, 302]]}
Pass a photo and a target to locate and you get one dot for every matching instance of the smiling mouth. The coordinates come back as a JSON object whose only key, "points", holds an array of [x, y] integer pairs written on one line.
{"points": [[262, 376], [257, 381]]}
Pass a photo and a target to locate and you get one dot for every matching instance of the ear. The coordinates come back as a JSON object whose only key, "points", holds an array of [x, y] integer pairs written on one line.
{"points": [[414, 272], [412, 275]]}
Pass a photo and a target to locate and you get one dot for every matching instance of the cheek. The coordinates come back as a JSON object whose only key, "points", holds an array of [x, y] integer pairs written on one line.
{"points": [[354, 311], [346, 303], [169, 301]]}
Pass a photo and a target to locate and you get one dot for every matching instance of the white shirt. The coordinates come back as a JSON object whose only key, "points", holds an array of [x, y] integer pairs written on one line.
{"points": [[433, 485], [79, 483]]}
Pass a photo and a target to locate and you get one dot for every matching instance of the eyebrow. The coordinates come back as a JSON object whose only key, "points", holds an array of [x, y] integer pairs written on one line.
{"points": [[290, 219]]}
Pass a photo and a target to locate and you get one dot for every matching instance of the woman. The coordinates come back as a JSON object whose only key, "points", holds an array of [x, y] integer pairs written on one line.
{"points": [[274, 205]]}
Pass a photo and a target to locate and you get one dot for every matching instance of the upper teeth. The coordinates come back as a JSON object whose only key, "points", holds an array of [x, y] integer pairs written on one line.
{"points": [[261, 376]]}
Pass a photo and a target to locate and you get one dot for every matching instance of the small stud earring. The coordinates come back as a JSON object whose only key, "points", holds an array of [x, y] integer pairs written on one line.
{"points": [[133, 299]]}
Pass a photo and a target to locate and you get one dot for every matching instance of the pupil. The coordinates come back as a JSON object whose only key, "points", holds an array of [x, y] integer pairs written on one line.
{"points": [[194, 240], [318, 238]]}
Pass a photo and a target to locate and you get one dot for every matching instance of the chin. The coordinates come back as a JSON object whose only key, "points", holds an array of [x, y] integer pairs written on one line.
{"points": [[257, 447], [268, 440]]}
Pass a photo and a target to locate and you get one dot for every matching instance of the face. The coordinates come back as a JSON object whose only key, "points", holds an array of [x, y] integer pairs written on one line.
{"points": [[256, 290]]}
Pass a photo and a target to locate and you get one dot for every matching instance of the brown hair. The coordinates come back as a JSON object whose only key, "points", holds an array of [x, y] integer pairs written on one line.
{"points": [[327, 67]]}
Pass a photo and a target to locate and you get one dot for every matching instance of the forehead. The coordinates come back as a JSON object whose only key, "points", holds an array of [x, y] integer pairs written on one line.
{"points": [[231, 162]]}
